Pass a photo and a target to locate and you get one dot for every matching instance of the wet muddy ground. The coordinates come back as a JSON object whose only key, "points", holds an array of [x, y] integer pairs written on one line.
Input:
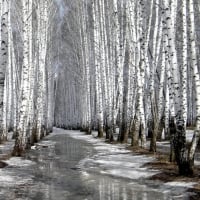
{"points": [[68, 166]]}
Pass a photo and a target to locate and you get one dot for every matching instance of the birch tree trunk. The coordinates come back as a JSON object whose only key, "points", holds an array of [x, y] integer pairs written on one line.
{"points": [[185, 156], [51, 80], [21, 139], [187, 167], [185, 63], [3, 59], [99, 106], [42, 73]]}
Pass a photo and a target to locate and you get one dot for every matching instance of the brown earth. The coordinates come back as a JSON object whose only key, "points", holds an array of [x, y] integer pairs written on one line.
{"points": [[169, 171], [3, 164]]}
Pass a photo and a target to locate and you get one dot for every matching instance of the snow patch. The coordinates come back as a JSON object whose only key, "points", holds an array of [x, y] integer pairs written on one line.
{"points": [[189, 135], [131, 173], [19, 162], [6, 179], [180, 184], [85, 174], [113, 160], [196, 162], [9, 179]]}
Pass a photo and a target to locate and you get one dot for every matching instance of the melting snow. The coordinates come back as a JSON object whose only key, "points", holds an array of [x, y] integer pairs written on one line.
{"points": [[131, 173], [196, 162], [8, 178], [115, 160], [180, 184], [19, 162]]}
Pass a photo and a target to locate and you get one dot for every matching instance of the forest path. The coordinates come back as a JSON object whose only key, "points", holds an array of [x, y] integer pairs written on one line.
{"points": [[68, 165]]}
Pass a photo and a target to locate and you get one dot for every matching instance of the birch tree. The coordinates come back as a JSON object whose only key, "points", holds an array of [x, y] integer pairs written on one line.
{"points": [[4, 58], [42, 14], [20, 143], [32, 124]]}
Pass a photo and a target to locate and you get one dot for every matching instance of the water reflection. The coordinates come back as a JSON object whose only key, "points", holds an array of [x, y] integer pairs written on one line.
{"points": [[119, 189], [55, 174]]}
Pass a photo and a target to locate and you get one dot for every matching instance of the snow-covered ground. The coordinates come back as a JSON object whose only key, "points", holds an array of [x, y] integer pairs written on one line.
{"points": [[113, 160], [107, 165], [8, 176], [116, 161], [19, 162]]}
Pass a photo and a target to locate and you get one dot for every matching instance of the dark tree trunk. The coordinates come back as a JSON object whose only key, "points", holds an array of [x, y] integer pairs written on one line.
{"points": [[154, 128], [186, 167], [161, 126], [184, 162], [135, 133], [172, 131], [109, 133], [88, 130], [19, 147], [100, 131], [123, 136]]}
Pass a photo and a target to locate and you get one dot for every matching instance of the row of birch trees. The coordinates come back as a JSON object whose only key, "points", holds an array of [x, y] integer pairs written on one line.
{"points": [[133, 65], [26, 71]]}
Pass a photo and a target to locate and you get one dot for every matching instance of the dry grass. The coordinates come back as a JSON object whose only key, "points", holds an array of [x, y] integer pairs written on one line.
{"points": [[169, 170]]}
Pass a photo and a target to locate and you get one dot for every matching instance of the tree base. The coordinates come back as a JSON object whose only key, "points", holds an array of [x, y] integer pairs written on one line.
{"points": [[186, 168], [88, 131], [18, 151], [100, 132]]}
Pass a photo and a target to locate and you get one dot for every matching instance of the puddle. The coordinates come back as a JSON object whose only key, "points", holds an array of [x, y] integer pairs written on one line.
{"points": [[64, 168]]}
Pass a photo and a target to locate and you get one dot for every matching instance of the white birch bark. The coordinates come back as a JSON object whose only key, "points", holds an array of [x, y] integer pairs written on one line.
{"points": [[170, 26], [141, 124], [3, 58], [8, 81], [21, 140], [196, 77], [119, 56], [31, 74], [51, 81], [86, 64], [185, 63], [99, 106], [42, 76]]}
